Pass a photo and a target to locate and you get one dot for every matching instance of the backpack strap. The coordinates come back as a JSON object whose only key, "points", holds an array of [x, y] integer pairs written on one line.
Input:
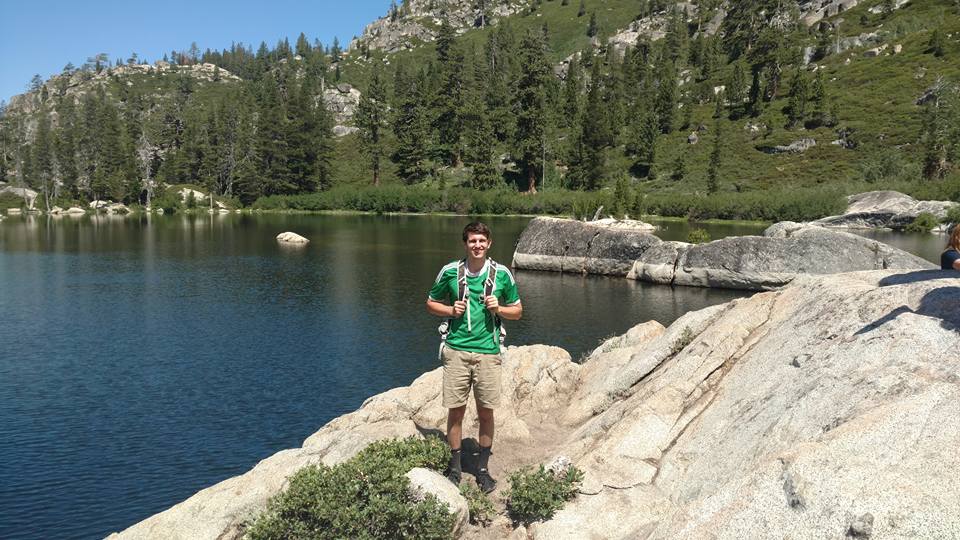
{"points": [[490, 283], [461, 279]]}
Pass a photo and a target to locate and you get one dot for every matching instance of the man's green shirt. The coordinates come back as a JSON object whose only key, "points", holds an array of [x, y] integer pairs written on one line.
{"points": [[481, 335]]}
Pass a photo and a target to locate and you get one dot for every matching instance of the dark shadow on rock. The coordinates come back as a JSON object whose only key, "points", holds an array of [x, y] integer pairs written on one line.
{"points": [[942, 303], [919, 275], [431, 432]]}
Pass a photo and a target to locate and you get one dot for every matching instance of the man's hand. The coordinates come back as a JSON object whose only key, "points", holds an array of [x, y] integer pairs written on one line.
{"points": [[492, 304], [458, 308]]}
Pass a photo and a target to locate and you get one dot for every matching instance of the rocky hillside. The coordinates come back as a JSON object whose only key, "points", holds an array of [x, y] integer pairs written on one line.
{"points": [[415, 22], [827, 409]]}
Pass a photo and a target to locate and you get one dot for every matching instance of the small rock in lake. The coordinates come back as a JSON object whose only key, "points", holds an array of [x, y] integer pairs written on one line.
{"points": [[291, 238]]}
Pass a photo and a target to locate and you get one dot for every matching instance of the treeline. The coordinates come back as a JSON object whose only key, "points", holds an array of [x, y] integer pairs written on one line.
{"points": [[124, 139], [484, 114]]}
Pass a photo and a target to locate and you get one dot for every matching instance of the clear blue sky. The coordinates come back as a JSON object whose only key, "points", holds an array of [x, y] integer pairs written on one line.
{"points": [[42, 36]]}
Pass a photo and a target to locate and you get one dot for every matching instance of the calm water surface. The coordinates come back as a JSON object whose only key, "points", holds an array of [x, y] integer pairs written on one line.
{"points": [[147, 358]]}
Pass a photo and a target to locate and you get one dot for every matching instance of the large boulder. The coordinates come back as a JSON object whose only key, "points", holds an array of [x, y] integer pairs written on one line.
{"points": [[883, 209], [566, 245], [425, 482], [785, 251]]}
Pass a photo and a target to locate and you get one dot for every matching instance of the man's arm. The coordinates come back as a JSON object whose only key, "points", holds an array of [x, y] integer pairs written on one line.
{"points": [[440, 309], [956, 264], [513, 312]]}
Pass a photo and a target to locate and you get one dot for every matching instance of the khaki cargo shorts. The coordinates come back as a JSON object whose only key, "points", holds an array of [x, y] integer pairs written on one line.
{"points": [[462, 369]]}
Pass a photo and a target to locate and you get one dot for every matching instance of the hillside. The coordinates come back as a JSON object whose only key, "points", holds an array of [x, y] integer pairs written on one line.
{"points": [[661, 101]]}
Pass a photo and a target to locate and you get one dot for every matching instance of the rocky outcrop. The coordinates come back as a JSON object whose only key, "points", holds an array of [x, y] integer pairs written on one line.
{"points": [[342, 100], [534, 378], [785, 251], [796, 147], [416, 22], [28, 195], [766, 262], [822, 408], [565, 245], [76, 83], [819, 409], [884, 209]]}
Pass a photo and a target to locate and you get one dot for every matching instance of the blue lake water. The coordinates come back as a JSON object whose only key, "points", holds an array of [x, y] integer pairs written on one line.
{"points": [[147, 358]]}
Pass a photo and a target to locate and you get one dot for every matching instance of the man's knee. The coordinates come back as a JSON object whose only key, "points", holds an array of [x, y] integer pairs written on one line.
{"points": [[484, 414], [456, 414]]}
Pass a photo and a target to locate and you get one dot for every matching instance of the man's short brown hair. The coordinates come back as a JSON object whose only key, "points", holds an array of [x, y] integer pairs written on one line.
{"points": [[476, 228]]}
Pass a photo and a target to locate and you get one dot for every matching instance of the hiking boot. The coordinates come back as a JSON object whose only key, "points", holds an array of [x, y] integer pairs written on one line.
{"points": [[453, 475], [485, 482]]}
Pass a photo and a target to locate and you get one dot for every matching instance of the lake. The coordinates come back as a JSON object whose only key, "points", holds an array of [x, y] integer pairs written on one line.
{"points": [[147, 357]]}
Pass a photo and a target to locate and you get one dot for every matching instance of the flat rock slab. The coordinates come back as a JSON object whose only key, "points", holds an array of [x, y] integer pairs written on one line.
{"points": [[883, 209]]}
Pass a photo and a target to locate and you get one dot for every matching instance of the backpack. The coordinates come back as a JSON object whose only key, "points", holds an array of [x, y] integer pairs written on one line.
{"points": [[463, 292]]}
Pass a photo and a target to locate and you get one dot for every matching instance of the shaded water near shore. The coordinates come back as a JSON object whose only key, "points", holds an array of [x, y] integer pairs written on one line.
{"points": [[146, 358]]}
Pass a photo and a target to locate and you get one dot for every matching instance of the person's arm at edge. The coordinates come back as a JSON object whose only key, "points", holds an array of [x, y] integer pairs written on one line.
{"points": [[512, 312], [956, 264]]}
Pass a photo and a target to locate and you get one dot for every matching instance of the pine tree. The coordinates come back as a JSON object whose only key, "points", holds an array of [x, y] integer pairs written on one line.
{"points": [[480, 147], [593, 28], [530, 106], [667, 95], [735, 89], [713, 169], [571, 93], [448, 101], [937, 44], [43, 158], [799, 95], [371, 118], [412, 128], [594, 136], [582, 10]]}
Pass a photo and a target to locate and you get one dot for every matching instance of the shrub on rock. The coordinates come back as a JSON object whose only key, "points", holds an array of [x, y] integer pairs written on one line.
{"points": [[537, 495], [363, 497]]}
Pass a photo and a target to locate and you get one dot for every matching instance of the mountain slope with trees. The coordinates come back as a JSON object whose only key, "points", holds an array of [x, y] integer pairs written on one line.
{"points": [[702, 109]]}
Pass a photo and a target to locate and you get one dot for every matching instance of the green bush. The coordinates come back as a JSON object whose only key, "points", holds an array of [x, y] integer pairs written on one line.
{"points": [[924, 222], [698, 236], [537, 495], [953, 215], [363, 497], [9, 200], [686, 338], [479, 505]]}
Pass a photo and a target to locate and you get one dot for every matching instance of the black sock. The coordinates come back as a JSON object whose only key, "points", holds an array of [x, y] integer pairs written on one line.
{"points": [[485, 452], [454, 460]]}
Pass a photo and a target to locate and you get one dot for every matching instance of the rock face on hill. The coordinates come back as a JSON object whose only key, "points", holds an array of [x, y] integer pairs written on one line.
{"points": [[883, 209], [416, 21], [766, 262], [830, 406]]}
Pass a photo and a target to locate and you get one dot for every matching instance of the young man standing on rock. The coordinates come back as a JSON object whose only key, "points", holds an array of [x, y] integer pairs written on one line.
{"points": [[474, 294]]}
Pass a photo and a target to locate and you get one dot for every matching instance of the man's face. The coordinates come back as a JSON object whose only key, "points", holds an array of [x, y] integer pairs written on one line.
{"points": [[477, 246]]}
